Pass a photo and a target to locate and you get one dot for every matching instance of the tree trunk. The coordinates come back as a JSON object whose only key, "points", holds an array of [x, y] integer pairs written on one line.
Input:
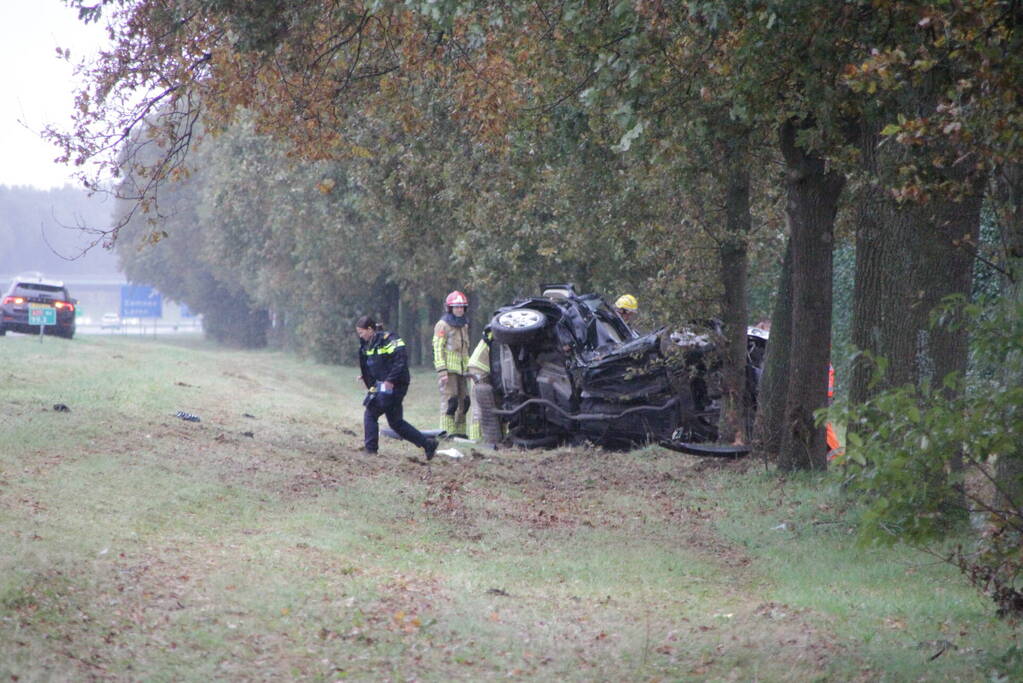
{"points": [[870, 278], [433, 311], [886, 304], [813, 193], [946, 244], [909, 257], [734, 264], [389, 299], [407, 329], [1009, 203], [774, 384]]}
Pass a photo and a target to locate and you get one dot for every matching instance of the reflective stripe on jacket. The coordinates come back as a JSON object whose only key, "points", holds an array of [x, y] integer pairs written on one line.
{"points": [[480, 359], [384, 359], [451, 348]]}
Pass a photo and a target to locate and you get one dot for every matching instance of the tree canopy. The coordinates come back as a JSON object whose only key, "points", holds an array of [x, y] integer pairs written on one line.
{"points": [[400, 148]]}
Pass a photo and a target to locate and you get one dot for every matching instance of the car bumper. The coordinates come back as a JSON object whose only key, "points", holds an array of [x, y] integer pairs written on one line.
{"points": [[15, 322]]}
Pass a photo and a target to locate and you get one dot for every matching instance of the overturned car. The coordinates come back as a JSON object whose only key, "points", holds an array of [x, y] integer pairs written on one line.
{"points": [[564, 367]]}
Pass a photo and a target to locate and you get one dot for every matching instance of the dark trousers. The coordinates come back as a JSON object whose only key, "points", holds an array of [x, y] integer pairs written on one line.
{"points": [[391, 408]]}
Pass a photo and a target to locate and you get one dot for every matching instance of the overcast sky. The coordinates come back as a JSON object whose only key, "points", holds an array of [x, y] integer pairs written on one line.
{"points": [[36, 88]]}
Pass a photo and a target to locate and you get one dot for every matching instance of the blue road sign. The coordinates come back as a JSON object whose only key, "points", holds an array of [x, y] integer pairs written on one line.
{"points": [[140, 301]]}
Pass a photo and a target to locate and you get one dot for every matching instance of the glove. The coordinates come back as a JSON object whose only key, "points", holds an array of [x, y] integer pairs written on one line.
{"points": [[442, 380]]}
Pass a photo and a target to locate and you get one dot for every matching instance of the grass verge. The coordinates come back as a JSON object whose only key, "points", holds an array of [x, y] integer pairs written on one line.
{"points": [[258, 543]]}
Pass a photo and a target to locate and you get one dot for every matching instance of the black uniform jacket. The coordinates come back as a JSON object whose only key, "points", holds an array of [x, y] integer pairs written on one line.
{"points": [[384, 359]]}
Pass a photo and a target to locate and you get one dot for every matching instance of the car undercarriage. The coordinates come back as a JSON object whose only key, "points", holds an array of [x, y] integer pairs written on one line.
{"points": [[565, 368]]}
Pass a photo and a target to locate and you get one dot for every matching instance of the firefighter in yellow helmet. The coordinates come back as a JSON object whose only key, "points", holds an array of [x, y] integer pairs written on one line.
{"points": [[451, 360], [627, 307]]}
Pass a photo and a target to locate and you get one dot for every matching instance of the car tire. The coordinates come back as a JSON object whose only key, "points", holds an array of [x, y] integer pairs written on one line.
{"points": [[3, 331], [517, 326]]}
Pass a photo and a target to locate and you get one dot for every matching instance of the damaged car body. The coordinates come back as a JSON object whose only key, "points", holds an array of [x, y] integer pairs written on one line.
{"points": [[565, 368]]}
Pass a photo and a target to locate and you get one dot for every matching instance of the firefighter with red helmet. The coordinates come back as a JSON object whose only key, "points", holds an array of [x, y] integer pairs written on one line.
{"points": [[451, 360]]}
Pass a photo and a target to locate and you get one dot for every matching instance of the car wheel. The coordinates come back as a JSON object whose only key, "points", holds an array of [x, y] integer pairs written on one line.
{"points": [[517, 326], [2, 331]]}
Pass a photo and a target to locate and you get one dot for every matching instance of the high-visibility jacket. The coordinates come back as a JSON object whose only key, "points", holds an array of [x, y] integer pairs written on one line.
{"points": [[479, 361], [451, 348], [829, 430]]}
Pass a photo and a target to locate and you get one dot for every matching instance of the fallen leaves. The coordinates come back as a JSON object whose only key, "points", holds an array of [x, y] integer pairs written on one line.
{"points": [[895, 623]]}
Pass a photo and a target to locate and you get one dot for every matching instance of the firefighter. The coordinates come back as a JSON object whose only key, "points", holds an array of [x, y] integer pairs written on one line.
{"points": [[479, 373], [627, 307], [451, 360], [384, 364]]}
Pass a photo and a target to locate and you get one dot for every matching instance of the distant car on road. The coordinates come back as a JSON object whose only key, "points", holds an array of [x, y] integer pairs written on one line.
{"points": [[110, 321], [26, 291]]}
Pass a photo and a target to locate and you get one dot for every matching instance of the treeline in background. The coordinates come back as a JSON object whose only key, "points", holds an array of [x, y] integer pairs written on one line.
{"points": [[56, 232]]}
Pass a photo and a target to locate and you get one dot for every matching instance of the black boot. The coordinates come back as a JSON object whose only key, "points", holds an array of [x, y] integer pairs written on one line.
{"points": [[430, 448]]}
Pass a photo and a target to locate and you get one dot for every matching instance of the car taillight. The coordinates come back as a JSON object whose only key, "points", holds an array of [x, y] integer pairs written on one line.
{"points": [[64, 305], [13, 300]]}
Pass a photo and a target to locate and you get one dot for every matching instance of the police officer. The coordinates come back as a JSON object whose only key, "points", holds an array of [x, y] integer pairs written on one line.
{"points": [[384, 364]]}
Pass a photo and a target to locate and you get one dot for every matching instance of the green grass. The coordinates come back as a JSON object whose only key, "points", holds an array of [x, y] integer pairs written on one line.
{"points": [[899, 606], [259, 543]]}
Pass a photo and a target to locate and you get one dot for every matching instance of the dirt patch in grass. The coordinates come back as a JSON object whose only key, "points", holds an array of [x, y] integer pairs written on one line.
{"points": [[574, 489]]}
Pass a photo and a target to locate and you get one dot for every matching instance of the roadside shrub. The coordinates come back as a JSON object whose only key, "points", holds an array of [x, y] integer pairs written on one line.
{"points": [[924, 460]]}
